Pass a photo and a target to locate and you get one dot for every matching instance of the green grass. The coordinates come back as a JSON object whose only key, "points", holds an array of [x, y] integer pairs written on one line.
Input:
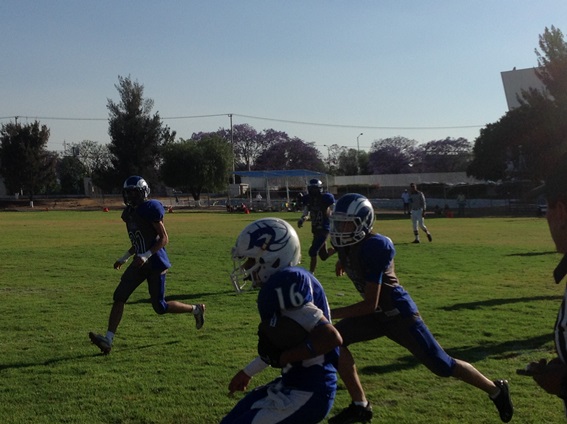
{"points": [[483, 286]]}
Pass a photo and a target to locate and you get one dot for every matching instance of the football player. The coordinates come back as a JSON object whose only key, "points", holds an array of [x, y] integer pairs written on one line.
{"points": [[552, 375], [267, 251], [317, 208], [148, 238], [386, 309]]}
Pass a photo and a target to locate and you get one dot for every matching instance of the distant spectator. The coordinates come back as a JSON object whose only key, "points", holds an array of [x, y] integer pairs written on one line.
{"points": [[418, 208], [462, 202], [406, 202]]}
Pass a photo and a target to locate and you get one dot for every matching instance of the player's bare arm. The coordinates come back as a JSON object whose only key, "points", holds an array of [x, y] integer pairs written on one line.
{"points": [[365, 307], [322, 339]]}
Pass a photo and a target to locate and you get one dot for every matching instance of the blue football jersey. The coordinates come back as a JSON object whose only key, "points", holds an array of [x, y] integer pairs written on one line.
{"points": [[139, 224], [317, 206], [288, 290], [372, 262]]}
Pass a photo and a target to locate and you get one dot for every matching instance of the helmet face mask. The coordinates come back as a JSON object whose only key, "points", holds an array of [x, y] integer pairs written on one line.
{"points": [[352, 220], [315, 187], [263, 248], [135, 191]]}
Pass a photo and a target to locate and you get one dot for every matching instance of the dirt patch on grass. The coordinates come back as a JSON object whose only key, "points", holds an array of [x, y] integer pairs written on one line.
{"points": [[67, 203]]}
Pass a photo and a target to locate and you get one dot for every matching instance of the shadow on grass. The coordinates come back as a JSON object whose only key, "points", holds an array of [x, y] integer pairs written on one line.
{"points": [[469, 354], [528, 254], [177, 297], [54, 361], [497, 302]]}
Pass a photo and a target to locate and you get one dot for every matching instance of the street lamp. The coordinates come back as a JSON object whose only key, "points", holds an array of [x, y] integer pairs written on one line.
{"points": [[358, 152], [358, 145]]}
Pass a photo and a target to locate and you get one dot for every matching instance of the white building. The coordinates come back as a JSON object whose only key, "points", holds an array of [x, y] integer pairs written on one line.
{"points": [[516, 80]]}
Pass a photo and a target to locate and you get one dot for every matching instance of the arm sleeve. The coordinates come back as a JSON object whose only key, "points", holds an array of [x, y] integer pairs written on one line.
{"points": [[308, 316]]}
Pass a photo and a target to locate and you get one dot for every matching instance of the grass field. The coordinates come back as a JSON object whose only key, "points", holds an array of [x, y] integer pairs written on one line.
{"points": [[484, 288]]}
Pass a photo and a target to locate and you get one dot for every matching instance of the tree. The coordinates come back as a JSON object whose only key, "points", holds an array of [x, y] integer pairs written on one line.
{"points": [[552, 61], [92, 155], [395, 155], [448, 155], [247, 144], [25, 163], [192, 165], [290, 154], [517, 146], [332, 161], [137, 137], [71, 174], [348, 162], [525, 142]]}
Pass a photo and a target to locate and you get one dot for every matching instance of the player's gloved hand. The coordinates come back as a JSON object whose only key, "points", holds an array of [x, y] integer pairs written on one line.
{"points": [[300, 223], [269, 353]]}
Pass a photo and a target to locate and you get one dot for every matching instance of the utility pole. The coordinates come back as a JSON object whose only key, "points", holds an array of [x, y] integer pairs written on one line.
{"points": [[358, 153]]}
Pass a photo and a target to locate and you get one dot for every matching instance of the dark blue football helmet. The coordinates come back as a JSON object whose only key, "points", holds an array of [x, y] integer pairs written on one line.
{"points": [[352, 220], [135, 191], [315, 187]]}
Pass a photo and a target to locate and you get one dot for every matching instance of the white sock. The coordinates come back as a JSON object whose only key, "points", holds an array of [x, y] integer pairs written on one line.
{"points": [[364, 404]]}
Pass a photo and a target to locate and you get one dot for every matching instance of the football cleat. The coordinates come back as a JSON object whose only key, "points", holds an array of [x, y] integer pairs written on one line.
{"points": [[503, 401], [101, 342], [429, 237], [353, 414], [200, 316]]}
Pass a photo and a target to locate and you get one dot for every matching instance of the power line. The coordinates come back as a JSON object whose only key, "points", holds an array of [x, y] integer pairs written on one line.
{"points": [[287, 121], [48, 118], [357, 126]]}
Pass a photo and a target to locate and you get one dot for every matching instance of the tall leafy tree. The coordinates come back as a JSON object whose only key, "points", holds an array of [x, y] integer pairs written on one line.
{"points": [[193, 165], [348, 162], [92, 155], [71, 174], [396, 155], [246, 142], [447, 155], [137, 137], [293, 153], [526, 141], [552, 61], [25, 162], [332, 159]]}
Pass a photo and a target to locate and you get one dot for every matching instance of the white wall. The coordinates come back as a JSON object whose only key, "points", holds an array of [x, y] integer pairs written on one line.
{"points": [[517, 80]]}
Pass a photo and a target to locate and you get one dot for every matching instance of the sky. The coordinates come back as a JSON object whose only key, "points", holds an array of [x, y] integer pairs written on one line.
{"points": [[323, 71]]}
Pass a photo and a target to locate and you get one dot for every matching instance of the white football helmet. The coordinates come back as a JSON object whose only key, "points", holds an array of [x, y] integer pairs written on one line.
{"points": [[263, 248]]}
